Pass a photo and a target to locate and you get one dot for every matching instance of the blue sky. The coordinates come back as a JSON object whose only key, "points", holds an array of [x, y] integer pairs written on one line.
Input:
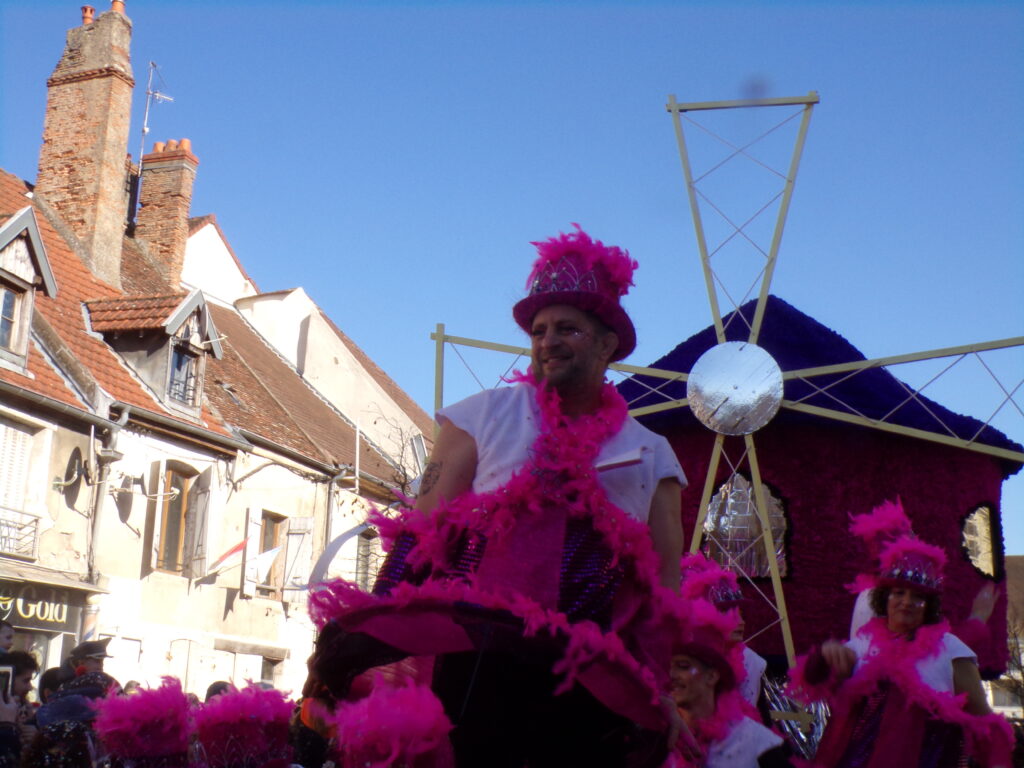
{"points": [[395, 160]]}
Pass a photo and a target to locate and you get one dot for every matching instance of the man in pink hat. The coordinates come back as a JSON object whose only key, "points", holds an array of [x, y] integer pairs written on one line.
{"points": [[546, 524], [577, 326]]}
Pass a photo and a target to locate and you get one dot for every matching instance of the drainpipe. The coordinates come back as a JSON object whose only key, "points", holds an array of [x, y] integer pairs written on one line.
{"points": [[341, 474]]}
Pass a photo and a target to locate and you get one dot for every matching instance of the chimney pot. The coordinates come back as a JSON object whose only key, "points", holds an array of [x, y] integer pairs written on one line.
{"points": [[159, 146], [117, 6], [186, 144], [88, 12], [172, 145]]}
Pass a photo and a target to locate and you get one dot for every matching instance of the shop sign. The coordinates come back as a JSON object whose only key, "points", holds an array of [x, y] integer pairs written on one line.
{"points": [[40, 606]]}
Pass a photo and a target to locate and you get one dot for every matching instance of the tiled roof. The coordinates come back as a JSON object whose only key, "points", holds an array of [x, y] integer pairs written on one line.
{"points": [[133, 313], [254, 388], [64, 312]]}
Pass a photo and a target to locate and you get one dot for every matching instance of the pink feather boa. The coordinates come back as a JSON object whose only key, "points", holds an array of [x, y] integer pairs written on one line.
{"points": [[152, 723], [564, 452]]}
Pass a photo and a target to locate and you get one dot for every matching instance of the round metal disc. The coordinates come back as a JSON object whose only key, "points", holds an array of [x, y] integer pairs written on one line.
{"points": [[735, 388]]}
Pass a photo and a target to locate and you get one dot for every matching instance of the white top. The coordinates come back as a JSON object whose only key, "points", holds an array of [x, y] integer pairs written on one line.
{"points": [[862, 612], [746, 741], [504, 423], [754, 667], [936, 671]]}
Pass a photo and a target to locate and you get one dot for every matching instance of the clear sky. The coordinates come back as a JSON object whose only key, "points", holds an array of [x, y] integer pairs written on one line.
{"points": [[395, 160]]}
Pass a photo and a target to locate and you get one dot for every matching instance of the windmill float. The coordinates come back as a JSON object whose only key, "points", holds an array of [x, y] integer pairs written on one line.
{"points": [[735, 387]]}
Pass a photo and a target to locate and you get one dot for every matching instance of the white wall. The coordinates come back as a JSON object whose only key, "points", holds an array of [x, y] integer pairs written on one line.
{"points": [[210, 267]]}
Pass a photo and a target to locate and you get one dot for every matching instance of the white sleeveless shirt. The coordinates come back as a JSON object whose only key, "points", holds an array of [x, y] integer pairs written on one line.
{"points": [[504, 423]]}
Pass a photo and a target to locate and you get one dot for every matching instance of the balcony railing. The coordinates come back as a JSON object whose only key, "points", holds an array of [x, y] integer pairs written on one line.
{"points": [[19, 533]]}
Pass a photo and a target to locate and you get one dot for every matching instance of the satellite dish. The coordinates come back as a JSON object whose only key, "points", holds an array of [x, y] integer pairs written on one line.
{"points": [[73, 478]]}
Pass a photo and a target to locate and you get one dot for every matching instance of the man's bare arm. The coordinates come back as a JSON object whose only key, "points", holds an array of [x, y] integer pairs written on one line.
{"points": [[450, 469], [666, 524]]}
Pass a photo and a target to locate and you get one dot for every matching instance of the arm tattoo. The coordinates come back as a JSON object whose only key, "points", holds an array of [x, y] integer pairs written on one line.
{"points": [[430, 477]]}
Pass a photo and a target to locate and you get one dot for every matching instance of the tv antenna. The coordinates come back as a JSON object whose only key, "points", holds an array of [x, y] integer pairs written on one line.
{"points": [[151, 96]]}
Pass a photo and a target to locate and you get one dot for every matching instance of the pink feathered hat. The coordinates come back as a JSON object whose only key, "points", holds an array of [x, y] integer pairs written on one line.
{"points": [[703, 578], [909, 562], [707, 639], [584, 273]]}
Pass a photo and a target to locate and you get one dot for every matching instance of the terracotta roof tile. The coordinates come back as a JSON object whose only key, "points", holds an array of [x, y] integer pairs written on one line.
{"points": [[131, 313], [255, 388]]}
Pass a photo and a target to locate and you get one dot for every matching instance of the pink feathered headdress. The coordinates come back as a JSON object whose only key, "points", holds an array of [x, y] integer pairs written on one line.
{"points": [[887, 521], [584, 273], [154, 723], [393, 725], [703, 578], [244, 728], [909, 562]]}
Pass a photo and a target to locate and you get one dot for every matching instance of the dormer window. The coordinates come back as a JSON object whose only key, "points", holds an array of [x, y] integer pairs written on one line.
{"points": [[24, 268], [9, 301], [184, 373], [186, 358], [164, 340]]}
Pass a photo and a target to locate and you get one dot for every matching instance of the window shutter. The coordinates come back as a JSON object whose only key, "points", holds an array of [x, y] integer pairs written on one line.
{"points": [[298, 558], [15, 449], [154, 514], [197, 524], [253, 525]]}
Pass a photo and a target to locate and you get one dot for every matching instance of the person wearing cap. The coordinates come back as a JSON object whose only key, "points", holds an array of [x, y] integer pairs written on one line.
{"points": [[546, 521], [89, 655], [719, 732], [904, 690]]}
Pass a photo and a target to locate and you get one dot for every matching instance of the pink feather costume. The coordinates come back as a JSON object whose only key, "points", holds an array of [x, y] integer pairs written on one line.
{"points": [[493, 563]]}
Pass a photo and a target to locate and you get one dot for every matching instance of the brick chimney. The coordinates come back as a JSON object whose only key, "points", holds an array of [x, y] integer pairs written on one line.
{"points": [[168, 173], [83, 172]]}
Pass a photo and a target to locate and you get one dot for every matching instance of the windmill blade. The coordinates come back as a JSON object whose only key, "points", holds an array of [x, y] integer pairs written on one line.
{"points": [[711, 279], [769, 542], [705, 496], [780, 223], [880, 362], [898, 429]]}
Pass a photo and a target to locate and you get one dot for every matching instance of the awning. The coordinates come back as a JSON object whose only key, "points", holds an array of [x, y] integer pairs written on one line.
{"points": [[12, 570], [248, 647]]}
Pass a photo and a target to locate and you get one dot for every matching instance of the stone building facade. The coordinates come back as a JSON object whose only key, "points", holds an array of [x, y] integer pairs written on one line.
{"points": [[173, 459]]}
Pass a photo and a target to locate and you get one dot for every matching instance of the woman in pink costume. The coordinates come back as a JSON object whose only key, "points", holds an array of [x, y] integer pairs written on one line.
{"points": [[904, 690]]}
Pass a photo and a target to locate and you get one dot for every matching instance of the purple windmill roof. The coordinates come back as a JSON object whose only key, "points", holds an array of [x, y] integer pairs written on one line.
{"points": [[796, 341]]}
